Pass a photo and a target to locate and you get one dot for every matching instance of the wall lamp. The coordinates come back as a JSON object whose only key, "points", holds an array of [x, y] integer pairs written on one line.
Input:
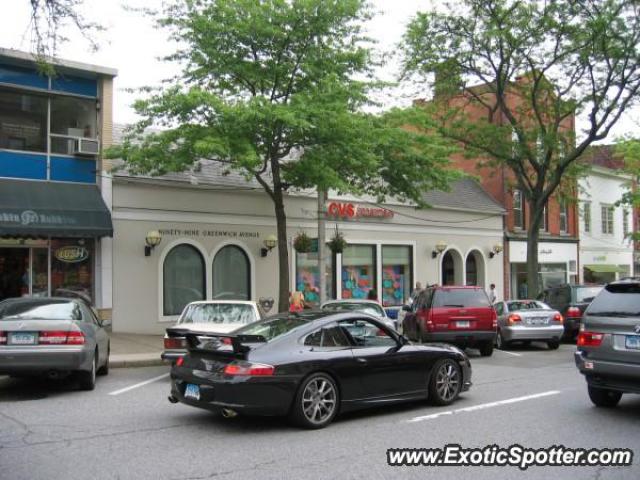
{"points": [[440, 247], [497, 248], [269, 243], [152, 240]]}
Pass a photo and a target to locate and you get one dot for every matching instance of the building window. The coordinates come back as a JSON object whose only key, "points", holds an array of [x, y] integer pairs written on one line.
{"points": [[564, 216], [518, 210], [586, 216], [71, 118], [625, 223], [23, 122], [396, 274], [231, 274], [182, 278], [308, 280], [606, 214], [358, 271], [544, 224], [72, 263]]}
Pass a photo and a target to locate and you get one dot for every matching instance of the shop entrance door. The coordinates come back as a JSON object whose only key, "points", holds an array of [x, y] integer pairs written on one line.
{"points": [[14, 272]]}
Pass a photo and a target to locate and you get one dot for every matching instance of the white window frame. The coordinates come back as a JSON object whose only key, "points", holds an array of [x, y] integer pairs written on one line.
{"points": [[564, 216], [606, 219], [586, 217], [517, 194], [625, 223]]}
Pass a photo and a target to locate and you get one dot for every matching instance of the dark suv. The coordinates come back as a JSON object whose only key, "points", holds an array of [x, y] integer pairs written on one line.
{"points": [[459, 315], [608, 352], [571, 301]]}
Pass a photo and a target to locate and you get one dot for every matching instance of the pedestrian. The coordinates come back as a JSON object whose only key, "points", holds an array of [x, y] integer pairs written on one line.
{"points": [[492, 293], [296, 302], [416, 292], [372, 295]]}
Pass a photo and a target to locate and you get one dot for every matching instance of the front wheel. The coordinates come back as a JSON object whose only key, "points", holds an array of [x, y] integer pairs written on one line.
{"points": [[602, 397], [316, 403], [445, 383]]}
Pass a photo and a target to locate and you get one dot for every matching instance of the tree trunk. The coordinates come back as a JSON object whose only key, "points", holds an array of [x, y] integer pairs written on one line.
{"points": [[533, 235], [283, 251]]}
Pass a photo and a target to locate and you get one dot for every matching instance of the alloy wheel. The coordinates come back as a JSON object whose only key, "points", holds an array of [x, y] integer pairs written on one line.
{"points": [[447, 381], [319, 400]]}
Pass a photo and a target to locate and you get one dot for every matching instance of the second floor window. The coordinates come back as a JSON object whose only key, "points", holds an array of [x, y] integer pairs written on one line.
{"points": [[625, 223], [586, 216], [564, 217], [606, 213], [544, 224], [518, 210], [23, 122]]}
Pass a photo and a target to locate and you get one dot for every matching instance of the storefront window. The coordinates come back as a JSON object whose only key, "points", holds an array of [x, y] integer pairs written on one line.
{"points": [[396, 274], [71, 268], [549, 274], [358, 271], [23, 122], [307, 278], [40, 273], [231, 274], [183, 278]]}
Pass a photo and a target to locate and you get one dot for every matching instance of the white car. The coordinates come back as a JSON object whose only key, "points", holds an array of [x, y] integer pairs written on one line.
{"points": [[214, 316], [370, 307]]}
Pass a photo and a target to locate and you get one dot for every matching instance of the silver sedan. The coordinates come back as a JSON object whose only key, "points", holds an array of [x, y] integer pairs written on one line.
{"points": [[526, 321], [53, 337]]}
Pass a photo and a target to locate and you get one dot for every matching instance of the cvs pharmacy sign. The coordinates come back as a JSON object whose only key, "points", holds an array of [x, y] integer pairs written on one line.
{"points": [[347, 210]]}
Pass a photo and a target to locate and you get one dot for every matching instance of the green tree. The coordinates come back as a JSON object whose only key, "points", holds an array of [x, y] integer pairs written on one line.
{"points": [[530, 66], [277, 90], [629, 150]]}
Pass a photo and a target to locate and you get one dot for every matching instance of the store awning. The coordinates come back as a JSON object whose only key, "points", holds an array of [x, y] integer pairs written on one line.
{"points": [[605, 268], [43, 209]]}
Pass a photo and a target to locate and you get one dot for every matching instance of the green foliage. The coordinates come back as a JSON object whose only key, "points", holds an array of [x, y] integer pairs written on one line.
{"points": [[302, 243], [337, 244], [629, 149]]}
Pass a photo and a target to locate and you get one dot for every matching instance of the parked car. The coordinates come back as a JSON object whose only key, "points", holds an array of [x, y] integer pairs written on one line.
{"points": [[526, 321], [571, 301], [396, 313], [313, 365], [461, 315], [370, 307], [217, 316], [608, 352], [53, 337]]}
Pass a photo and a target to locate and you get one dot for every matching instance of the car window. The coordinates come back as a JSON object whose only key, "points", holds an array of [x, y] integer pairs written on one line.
{"points": [[371, 308], [273, 327], [462, 297], [41, 310], [221, 313], [333, 336], [499, 308], [586, 294], [617, 300], [366, 334], [526, 305], [87, 315]]}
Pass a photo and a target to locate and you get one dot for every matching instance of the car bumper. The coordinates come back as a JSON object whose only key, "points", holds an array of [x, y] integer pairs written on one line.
{"points": [[571, 326], [516, 333], [170, 356], [624, 377], [40, 359], [268, 396], [461, 338]]}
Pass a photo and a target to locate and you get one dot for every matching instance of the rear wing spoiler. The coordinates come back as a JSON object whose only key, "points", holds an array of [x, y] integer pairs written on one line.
{"points": [[210, 341]]}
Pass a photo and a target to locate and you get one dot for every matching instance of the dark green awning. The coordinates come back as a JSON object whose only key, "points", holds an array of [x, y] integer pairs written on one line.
{"points": [[43, 209], [605, 268]]}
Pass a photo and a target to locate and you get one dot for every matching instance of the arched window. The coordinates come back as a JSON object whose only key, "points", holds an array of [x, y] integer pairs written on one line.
{"points": [[231, 274], [183, 278]]}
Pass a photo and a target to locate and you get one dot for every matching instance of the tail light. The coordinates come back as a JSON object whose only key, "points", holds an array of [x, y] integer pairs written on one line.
{"points": [[494, 319], [61, 338], [171, 343], [249, 369], [558, 318], [513, 319], [179, 361], [3, 338], [574, 312], [590, 339]]}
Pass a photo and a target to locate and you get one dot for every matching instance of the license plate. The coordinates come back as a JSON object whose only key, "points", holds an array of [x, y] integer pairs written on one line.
{"points": [[22, 338], [538, 321], [192, 391], [632, 342], [462, 324]]}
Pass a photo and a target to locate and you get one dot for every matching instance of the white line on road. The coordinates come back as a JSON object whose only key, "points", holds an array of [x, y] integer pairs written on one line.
{"points": [[141, 384], [483, 406], [510, 353]]}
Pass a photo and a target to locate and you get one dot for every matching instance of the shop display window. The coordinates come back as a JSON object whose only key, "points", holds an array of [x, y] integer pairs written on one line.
{"points": [[72, 263], [308, 280], [358, 271], [396, 274]]}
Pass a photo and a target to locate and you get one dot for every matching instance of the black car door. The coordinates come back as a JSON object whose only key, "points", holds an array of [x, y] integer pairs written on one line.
{"points": [[386, 369]]}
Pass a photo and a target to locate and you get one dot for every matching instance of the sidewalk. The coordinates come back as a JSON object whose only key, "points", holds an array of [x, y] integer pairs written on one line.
{"points": [[133, 350]]}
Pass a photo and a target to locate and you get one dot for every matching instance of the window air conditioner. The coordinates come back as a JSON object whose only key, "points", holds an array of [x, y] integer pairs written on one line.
{"points": [[87, 146]]}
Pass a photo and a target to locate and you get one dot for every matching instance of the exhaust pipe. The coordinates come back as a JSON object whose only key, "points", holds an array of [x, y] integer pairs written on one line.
{"points": [[172, 399], [228, 413]]}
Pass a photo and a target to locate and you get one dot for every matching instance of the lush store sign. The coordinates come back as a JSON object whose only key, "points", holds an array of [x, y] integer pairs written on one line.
{"points": [[71, 254], [350, 211]]}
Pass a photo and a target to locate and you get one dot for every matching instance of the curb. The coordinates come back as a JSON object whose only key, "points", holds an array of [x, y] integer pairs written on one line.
{"points": [[124, 362]]}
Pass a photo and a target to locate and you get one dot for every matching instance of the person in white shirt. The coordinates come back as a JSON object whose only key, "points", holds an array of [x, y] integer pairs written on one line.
{"points": [[492, 293]]}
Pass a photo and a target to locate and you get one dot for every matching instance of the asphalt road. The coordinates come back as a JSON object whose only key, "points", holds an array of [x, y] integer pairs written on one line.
{"points": [[53, 431]]}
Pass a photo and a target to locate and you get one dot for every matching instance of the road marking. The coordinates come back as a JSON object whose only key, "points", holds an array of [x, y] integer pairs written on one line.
{"points": [[141, 384], [509, 353], [483, 406]]}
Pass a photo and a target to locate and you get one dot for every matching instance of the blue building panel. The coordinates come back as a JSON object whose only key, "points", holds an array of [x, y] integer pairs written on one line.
{"points": [[23, 165], [73, 169], [24, 77], [77, 85]]}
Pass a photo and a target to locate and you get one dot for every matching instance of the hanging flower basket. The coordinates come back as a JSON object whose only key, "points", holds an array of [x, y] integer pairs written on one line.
{"points": [[337, 244], [302, 243]]}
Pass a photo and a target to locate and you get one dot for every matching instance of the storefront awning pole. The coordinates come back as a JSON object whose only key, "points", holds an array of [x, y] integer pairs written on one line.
{"points": [[321, 241]]}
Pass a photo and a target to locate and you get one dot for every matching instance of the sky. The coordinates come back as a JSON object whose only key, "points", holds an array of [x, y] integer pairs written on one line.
{"points": [[133, 46]]}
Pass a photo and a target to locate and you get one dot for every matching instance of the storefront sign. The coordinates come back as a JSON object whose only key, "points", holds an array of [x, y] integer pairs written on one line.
{"points": [[178, 232], [600, 258], [31, 217], [352, 211], [71, 254], [545, 251]]}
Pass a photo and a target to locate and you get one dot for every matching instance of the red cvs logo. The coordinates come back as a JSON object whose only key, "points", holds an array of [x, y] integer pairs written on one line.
{"points": [[339, 209]]}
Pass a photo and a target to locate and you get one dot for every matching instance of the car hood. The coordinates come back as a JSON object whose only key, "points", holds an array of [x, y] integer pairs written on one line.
{"points": [[209, 327]]}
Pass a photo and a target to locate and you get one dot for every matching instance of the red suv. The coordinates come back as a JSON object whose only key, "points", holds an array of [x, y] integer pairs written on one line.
{"points": [[459, 315]]}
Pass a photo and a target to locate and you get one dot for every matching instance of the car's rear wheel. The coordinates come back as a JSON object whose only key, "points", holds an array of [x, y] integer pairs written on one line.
{"points": [[553, 344], [602, 397], [104, 370], [501, 343], [445, 382], [87, 380], [486, 349], [316, 403]]}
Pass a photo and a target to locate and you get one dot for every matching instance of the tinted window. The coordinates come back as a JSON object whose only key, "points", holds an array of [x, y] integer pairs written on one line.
{"points": [[499, 308], [529, 305], [273, 327], [617, 300], [366, 334], [370, 308], [586, 294], [460, 298], [218, 313], [40, 311], [328, 337]]}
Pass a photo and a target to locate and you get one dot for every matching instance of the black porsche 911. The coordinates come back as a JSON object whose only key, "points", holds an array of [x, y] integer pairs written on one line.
{"points": [[313, 365]]}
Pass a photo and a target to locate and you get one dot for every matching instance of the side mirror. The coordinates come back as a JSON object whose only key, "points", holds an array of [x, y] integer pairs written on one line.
{"points": [[105, 323], [406, 308]]}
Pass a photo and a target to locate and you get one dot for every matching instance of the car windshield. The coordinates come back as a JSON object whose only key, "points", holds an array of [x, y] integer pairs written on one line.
{"points": [[273, 327], [586, 294], [365, 307], [527, 305], [218, 313], [461, 297], [40, 311], [617, 300]]}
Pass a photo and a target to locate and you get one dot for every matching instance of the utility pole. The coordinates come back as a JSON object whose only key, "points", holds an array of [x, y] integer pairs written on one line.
{"points": [[322, 195]]}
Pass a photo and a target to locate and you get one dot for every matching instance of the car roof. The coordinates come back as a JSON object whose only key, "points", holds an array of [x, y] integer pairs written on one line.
{"points": [[42, 300], [213, 302], [354, 300]]}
